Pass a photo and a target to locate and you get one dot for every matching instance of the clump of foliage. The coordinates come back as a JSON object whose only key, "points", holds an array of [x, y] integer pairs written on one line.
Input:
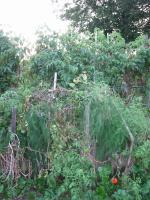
{"points": [[9, 62], [98, 57]]}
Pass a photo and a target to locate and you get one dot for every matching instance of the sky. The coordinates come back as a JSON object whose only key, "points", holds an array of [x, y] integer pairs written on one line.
{"points": [[25, 16]]}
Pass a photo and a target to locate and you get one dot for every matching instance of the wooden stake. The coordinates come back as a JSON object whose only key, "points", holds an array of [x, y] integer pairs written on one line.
{"points": [[55, 82]]}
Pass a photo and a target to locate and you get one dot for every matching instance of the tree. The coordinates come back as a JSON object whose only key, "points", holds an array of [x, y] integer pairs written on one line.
{"points": [[130, 17], [9, 62]]}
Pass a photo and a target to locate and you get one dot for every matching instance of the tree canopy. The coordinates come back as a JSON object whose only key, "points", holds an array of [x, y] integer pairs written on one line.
{"points": [[130, 17]]}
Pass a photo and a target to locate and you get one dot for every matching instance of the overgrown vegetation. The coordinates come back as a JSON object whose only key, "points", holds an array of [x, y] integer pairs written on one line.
{"points": [[69, 142]]}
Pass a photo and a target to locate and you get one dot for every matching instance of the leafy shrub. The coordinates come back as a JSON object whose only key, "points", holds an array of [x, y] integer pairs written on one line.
{"points": [[71, 54], [71, 177], [9, 62]]}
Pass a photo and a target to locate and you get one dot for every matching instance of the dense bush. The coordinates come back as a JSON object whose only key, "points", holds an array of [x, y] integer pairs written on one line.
{"points": [[99, 56], [9, 62]]}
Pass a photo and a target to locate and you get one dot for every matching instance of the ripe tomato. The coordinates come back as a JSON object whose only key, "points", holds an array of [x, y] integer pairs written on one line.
{"points": [[114, 181]]}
